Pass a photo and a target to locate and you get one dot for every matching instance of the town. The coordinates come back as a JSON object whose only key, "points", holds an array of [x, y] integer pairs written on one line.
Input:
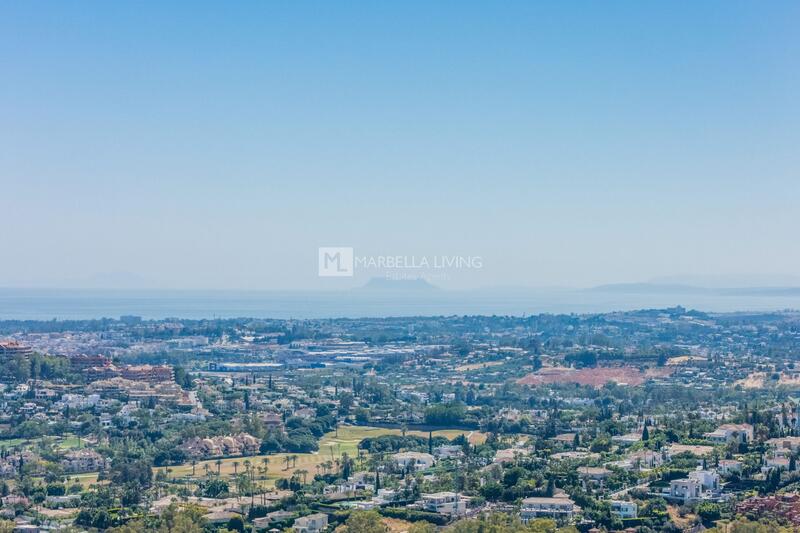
{"points": [[643, 421]]}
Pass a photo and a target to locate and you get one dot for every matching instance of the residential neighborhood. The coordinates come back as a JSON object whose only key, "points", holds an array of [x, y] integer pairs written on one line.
{"points": [[582, 422]]}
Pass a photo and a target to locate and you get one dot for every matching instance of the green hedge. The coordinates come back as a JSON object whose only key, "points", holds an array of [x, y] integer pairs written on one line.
{"points": [[412, 515]]}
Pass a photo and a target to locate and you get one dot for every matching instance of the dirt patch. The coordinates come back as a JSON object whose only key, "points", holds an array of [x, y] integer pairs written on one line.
{"points": [[594, 377], [762, 380], [698, 450], [58, 514], [756, 380], [683, 522], [395, 525]]}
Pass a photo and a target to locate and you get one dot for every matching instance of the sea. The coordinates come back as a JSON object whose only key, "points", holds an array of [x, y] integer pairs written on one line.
{"points": [[66, 304]]}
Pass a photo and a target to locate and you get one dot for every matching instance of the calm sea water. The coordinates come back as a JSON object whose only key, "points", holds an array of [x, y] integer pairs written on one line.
{"points": [[46, 304]]}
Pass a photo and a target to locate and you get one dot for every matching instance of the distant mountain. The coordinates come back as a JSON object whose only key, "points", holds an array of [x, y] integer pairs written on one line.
{"points": [[724, 281], [384, 284], [99, 281], [674, 288], [648, 288]]}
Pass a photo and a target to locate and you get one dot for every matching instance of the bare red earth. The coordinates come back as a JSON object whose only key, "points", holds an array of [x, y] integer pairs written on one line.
{"points": [[595, 377]]}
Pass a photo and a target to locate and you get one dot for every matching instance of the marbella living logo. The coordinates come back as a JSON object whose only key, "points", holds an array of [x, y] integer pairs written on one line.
{"points": [[341, 261], [336, 261]]}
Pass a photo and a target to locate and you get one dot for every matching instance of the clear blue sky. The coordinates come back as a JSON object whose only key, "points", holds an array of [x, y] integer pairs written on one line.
{"points": [[217, 145]]}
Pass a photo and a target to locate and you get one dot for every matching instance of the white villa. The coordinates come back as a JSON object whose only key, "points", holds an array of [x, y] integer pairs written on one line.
{"points": [[559, 508]]}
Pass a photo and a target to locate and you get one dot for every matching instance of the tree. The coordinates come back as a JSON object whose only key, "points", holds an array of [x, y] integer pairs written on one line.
{"points": [[492, 491], [126, 469], [365, 522], [175, 520], [215, 488], [501, 523], [345, 403], [445, 414], [235, 524], [744, 525], [362, 415], [347, 466], [101, 520], [542, 525], [422, 527], [131, 495], [303, 474], [182, 377], [242, 485], [709, 513], [19, 368]]}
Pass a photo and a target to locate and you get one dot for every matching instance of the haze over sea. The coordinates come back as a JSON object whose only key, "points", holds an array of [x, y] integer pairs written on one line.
{"points": [[47, 304]]}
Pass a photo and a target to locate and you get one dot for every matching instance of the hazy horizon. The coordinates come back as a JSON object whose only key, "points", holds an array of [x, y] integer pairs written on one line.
{"points": [[129, 282], [176, 147]]}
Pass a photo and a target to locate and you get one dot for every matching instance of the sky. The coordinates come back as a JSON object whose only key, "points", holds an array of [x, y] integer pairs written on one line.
{"points": [[219, 145]]}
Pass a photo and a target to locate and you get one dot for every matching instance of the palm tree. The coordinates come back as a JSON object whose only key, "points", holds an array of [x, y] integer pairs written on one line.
{"points": [[241, 485], [218, 462], [235, 467], [303, 473], [206, 469], [287, 459], [361, 455], [265, 462], [194, 464], [294, 461], [250, 472], [347, 465]]}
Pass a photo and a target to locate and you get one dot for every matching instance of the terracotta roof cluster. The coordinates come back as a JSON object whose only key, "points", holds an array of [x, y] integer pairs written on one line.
{"points": [[783, 506]]}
